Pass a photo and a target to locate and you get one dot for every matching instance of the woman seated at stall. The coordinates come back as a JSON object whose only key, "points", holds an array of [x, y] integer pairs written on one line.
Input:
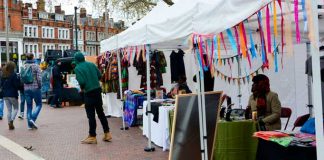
{"points": [[265, 103], [180, 88]]}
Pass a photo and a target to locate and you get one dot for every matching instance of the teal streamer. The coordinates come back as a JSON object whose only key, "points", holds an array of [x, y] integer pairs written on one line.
{"points": [[231, 40], [252, 49]]}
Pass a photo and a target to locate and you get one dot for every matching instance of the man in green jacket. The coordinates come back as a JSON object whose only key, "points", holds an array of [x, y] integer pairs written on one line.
{"points": [[88, 76]]}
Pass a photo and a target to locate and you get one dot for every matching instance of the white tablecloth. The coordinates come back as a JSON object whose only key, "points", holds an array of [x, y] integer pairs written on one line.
{"points": [[159, 131], [113, 106]]}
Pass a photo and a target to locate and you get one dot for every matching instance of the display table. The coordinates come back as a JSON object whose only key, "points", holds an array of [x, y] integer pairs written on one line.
{"points": [[71, 95], [268, 150], [234, 140], [160, 133], [112, 104]]}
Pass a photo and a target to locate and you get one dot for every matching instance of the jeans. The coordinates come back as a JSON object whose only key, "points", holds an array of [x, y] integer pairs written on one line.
{"points": [[1, 107], [12, 106], [22, 102], [93, 104], [32, 114]]}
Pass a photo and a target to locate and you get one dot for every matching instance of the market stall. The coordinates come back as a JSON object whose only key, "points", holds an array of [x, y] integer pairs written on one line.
{"points": [[177, 29]]}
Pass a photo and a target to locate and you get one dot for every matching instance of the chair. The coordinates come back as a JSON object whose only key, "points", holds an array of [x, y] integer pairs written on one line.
{"points": [[285, 113], [301, 120]]}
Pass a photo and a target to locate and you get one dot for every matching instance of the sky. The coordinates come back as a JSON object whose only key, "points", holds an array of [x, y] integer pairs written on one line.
{"points": [[68, 7]]}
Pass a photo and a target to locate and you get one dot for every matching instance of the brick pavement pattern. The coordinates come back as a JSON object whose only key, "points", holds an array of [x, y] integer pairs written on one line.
{"points": [[61, 130]]}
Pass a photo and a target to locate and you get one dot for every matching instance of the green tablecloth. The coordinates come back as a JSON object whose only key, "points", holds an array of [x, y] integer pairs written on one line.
{"points": [[235, 142]]}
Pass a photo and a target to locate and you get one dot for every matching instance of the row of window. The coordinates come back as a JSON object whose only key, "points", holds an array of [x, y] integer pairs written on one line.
{"points": [[91, 50], [33, 48], [63, 33], [48, 32]]}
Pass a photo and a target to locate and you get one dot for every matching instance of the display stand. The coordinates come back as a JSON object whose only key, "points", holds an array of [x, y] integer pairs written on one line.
{"points": [[120, 89]]}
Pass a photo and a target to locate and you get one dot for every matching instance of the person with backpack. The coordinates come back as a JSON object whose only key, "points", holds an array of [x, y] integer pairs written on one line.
{"points": [[88, 76], [31, 77], [10, 84], [1, 97]]}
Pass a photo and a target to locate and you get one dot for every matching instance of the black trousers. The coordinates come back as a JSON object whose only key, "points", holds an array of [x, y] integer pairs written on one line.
{"points": [[57, 96], [93, 104]]}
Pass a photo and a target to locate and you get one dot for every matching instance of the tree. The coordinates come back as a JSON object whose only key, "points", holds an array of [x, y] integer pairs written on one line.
{"points": [[129, 8]]}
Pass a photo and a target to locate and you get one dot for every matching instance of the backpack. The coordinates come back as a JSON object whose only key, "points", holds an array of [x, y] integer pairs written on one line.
{"points": [[27, 76]]}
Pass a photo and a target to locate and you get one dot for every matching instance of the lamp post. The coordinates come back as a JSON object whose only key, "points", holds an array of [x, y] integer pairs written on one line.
{"points": [[76, 27], [7, 29]]}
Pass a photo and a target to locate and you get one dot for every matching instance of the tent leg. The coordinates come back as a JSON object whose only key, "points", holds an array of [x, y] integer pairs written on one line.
{"points": [[120, 89], [149, 147], [201, 129], [317, 100], [309, 83]]}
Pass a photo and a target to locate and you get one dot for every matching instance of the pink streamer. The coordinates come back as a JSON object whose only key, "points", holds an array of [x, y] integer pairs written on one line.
{"points": [[237, 41], [268, 29], [223, 41], [296, 21]]}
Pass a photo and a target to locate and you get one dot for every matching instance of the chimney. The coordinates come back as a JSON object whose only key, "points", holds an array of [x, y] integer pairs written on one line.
{"points": [[83, 13], [28, 5], [58, 9], [40, 5]]}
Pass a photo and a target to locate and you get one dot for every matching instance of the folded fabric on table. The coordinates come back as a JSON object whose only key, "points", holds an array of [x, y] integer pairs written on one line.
{"points": [[266, 135], [284, 141]]}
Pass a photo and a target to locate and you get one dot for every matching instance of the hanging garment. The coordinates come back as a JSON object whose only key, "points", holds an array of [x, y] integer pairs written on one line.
{"points": [[177, 65]]}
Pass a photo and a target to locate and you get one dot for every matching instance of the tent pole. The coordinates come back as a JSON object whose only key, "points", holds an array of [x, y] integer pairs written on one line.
{"points": [[309, 83], [203, 108], [201, 129], [239, 70], [317, 81], [120, 88], [149, 147]]}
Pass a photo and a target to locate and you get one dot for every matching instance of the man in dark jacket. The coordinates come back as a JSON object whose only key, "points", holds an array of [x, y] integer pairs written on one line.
{"points": [[88, 76], [57, 85]]}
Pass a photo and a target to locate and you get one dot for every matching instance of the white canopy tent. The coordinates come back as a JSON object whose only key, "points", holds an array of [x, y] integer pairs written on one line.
{"points": [[173, 27]]}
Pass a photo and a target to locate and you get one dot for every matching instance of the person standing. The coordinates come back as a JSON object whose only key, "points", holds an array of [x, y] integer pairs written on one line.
{"points": [[88, 76], [57, 85], [32, 90], [10, 84]]}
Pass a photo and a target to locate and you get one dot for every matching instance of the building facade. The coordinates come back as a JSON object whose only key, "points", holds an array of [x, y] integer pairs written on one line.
{"points": [[93, 30], [15, 31], [43, 30]]}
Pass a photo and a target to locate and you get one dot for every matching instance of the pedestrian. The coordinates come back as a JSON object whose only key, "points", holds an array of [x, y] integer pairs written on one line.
{"points": [[57, 85], [88, 76], [10, 84], [22, 98], [1, 96], [31, 77]]}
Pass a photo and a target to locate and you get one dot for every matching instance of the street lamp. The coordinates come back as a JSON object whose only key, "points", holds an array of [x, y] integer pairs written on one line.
{"points": [[76, 27], [7, 29]]}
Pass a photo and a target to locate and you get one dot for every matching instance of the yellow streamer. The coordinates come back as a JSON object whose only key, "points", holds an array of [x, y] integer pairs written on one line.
{"points": [[218, 50], [243, 45]]}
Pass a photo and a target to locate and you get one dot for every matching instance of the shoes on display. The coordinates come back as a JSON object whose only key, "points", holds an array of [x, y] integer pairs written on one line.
{"points": [[107, 137], [89, 140]]}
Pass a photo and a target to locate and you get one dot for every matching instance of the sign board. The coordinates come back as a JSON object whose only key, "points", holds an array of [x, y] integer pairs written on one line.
{"points": [[185, 139]]}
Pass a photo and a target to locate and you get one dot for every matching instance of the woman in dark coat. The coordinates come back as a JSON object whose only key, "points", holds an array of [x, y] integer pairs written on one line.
{"points": [[10, 84]]}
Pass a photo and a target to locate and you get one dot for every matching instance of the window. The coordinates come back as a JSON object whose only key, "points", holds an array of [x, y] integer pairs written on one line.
{"points": [[48, 32], [30, 32], [43, 15], [30, 13], [35, 31], [25, 31]]}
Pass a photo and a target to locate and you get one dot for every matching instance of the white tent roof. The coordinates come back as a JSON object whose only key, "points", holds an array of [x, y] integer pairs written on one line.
{"points": [[139, 27], [170, 27]]}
